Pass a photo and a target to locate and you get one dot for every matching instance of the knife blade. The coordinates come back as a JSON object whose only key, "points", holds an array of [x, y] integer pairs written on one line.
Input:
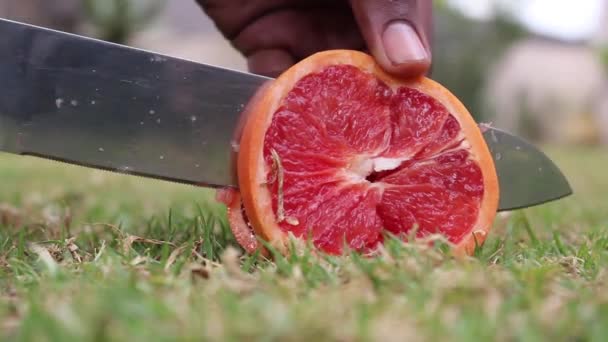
{"points": [[97, 104], [526, 176]]}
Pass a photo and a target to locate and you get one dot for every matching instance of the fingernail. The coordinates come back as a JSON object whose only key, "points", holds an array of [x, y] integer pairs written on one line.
{"points": [[402, 44]]}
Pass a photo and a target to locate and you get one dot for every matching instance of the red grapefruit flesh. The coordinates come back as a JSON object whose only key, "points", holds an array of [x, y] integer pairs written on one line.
{"points": [[338, 151]]}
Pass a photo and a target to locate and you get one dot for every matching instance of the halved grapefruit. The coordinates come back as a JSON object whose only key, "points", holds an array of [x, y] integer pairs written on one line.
{"points": [[338, 151]]}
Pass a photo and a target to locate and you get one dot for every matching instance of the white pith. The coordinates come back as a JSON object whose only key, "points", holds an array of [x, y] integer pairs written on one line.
{"points": [[362, 167]]}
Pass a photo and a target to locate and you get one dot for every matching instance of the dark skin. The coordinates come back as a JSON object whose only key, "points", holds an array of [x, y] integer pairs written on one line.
{"points": [[275, 34]]}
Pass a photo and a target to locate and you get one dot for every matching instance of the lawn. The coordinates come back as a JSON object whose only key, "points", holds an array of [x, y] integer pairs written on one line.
{"points": [[90, 255]]}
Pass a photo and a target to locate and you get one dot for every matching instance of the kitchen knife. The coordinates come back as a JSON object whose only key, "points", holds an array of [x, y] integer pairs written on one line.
{"points": [[102, 105]]}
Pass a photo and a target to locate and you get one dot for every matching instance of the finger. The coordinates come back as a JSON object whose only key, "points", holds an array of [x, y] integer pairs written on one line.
{"points": [[301, 32], [270, 62], [231, 17], [397, 33]]}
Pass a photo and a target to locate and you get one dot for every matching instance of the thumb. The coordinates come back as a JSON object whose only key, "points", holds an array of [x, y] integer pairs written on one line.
{"points": [[397, 33]]}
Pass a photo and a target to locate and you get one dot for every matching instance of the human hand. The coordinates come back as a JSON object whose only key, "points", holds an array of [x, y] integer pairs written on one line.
{"points": [[275, 34]]}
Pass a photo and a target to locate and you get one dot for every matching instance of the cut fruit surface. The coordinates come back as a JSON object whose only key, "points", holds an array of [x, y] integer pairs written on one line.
{"points": [[239, 225], [340, 152]]}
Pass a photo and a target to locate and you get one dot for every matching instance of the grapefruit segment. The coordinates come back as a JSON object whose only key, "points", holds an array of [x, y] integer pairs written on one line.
{"points": [[431, 209], [447, 137], [357, 228], [341, 152], [416, 121]]}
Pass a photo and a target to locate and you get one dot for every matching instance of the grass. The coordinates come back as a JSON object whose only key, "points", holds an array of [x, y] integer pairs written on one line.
{"points": [[88, 255]]}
